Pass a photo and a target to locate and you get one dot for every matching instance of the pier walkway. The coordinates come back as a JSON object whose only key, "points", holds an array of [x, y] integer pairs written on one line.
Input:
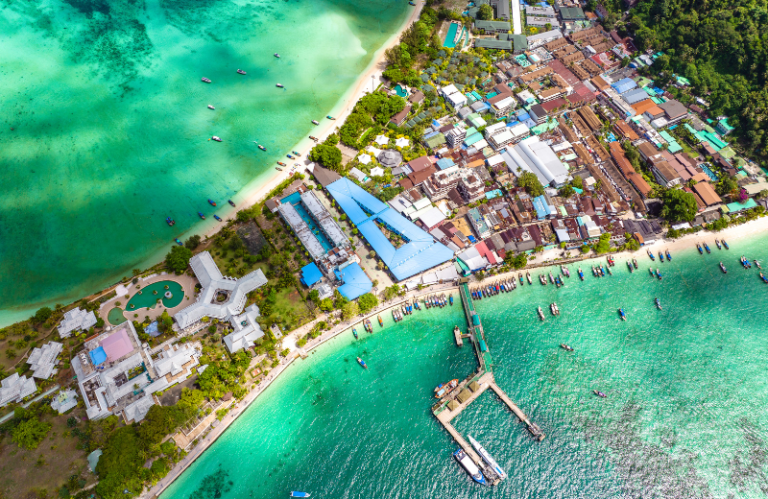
{"points": [[458, 399]]}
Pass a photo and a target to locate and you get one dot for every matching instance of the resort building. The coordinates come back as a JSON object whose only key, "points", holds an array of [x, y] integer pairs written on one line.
{"points": [[221, 297], [42, 361], [419, 251], [312, 223], [112, 375], [16, 388], [453, 97], [64, 401], [174, 363], [76, 319], [246, 331]]}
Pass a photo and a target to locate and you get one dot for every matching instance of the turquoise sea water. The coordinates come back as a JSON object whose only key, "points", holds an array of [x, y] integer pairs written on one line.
{"points": [[105, 126], [685, 414]]}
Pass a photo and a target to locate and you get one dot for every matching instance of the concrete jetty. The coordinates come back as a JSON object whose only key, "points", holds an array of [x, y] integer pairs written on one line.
{"points": [[458, 399]]}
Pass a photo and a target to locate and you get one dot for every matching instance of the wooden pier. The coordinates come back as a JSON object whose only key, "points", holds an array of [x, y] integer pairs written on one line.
{"points": [[455, 401]]}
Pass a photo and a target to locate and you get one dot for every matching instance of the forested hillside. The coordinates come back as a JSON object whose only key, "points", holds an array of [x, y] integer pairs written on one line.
{"points": [[722, 47]]}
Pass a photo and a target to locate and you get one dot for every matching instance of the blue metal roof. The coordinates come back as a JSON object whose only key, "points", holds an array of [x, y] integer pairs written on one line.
{"points": [[356, 283], [444, 163], [540, 205], [420, 252], [622, 86], [634, 96], [310, 274]]}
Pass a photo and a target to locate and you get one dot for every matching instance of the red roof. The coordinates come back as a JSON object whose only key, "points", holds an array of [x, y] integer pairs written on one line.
{"points": [[554, 103], [559, 68], [484, 251]]}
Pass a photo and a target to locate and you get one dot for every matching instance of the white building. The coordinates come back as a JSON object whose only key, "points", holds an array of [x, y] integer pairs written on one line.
{"points": [[453, 97], [111, 375], [174, 363], [246, 330], [76, 319], [64, 401], [537, 157], [503, 107], [15, 388], [42, 361], [221, 297]]}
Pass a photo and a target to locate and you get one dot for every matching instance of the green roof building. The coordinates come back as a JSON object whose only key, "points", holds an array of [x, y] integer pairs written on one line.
{"points": [[572, 14], [493, 26]]}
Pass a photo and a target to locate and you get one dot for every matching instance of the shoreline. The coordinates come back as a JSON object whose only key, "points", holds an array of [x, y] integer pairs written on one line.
{"points": [[254, 191], [732, 233]]}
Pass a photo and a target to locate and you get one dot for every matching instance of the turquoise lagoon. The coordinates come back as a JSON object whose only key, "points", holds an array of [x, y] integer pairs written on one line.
{"points": [[685, 414], [105, 126]]}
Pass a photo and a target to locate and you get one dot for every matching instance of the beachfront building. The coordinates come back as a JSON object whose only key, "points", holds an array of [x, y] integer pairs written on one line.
{"points": [[42, 361], [112, 375], [16, 388], [371, 216], [220, 297], [246, 331], [355, 282], [313, 224], [174, 363], [76, 319]]}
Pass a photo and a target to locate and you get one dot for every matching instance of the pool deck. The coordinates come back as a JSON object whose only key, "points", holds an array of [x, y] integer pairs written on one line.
{"points": [[187, 284]]}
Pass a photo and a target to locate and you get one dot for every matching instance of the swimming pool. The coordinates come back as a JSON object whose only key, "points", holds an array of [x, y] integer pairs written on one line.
{"points": [[115, 316], [156, 291], [450, 38], [295, 200]]}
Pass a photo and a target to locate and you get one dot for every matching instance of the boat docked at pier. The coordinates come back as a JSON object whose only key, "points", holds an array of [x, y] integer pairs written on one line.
{"points": [[469, 466], [706, 247], [542, 280], [725, 245], [199, 214], [634, 263], [629, 266], [528, 276], [661, 257], [367, 324], [218, 218], [381, 322], [178, 241], [315, 122], [313, 138], [719, 246], [658, 274], [581, 274], [669, 256], [650, 254], [490, 461], [444, 388], [698, 247]]}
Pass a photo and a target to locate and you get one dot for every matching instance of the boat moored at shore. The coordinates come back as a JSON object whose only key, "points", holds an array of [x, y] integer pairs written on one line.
{"points": [[722, 267], [362, 363]]}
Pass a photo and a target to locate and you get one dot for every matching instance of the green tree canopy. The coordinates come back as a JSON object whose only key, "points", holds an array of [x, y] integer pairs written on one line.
{"points": [[177, 260], [517, 261], [194, 241], [726, 185], [42, 315], [327, 155], [679, 206], [29, 433], [485, 12], [530, 182], [367, 302], [350, 310]]}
